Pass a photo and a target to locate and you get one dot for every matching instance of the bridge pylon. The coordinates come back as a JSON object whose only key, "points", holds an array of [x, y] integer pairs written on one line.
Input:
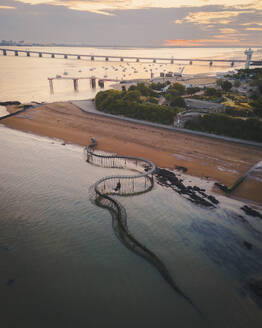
{"points": [[248, 53]]}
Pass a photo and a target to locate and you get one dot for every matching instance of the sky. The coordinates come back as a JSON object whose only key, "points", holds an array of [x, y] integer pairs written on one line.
{"points": [[186, 23]]}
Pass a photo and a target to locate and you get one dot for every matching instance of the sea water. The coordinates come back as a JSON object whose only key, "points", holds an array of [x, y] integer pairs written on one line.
{"points": [[62, 265], [25, 78]]}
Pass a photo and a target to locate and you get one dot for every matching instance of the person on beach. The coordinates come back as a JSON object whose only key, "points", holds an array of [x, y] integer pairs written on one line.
{"points": [[118, 186]]}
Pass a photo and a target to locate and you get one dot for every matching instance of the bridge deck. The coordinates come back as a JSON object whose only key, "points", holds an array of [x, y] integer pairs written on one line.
{"points": [[126, 57]]}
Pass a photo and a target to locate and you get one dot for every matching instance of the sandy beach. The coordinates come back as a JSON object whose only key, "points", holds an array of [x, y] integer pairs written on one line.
{"points": [[204, 157]]}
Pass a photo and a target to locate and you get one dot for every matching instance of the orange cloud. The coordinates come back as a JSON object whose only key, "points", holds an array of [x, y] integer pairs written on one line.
{"points": [[205, 42], [7, 7], [254, 29]]}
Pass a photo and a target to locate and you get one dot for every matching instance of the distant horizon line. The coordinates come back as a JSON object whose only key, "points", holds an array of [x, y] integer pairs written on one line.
{"points": [[114, 46]]}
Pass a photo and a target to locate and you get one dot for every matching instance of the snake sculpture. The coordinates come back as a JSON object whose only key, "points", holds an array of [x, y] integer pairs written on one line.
{"points": [[125, 185]]}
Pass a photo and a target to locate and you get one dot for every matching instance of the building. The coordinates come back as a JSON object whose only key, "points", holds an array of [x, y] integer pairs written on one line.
{"points": [[204, 106]]}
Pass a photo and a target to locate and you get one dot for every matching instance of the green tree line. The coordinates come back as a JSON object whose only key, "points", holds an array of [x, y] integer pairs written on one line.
{"points": [[129, 104], [249, 129]]}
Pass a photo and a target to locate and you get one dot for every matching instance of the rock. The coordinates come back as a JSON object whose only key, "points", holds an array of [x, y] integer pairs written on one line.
{"points": [[181, 168], [196, 195], [256, 286], [9, 103], [251, 212], [213, 199], [10, 282], [247, 244], [221, 187]]}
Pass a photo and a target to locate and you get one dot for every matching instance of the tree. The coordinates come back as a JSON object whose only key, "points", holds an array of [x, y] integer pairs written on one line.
{"points": [[178, 102], [226, 85], [257, 105], [178, 88], [133, 95], [212, 92], [192, 90], [237, 83], [219, 82]]}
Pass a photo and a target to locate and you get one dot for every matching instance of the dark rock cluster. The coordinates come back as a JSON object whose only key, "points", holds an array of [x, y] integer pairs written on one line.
{"points": [[248, 210], [195, 194], [256, 286], [247, 244], [9, 103], [221, 186], [181, 168]]}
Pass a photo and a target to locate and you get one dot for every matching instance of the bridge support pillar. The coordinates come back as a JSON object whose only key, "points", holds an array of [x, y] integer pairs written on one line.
{"points": [[4, 52], [52, 55], [78, 57], [93, 82], [16, 53], [101, 83], [232, 64], [121, 59], [172, 61], [28, 53], [154, 60], [211, 63], [65, 56], [75, 81], [106, 59], [190, 63], [137, 60], [92, 58], [40, 54], [51, 86]]}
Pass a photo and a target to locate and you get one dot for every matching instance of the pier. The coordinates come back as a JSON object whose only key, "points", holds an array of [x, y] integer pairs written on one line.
{"points": [[155, 60], [75, 80]]}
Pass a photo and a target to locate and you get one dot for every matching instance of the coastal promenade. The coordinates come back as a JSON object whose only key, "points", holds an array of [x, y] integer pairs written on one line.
{"points": [[89, 107], [209, 158]]}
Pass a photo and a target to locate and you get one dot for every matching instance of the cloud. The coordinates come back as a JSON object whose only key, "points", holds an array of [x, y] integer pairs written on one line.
{"points": [[251, 23], [200, 42], [254, 28], [209, 43], [217, 17], [7, 7], [100, 23], [227, 30], [105, 6]]}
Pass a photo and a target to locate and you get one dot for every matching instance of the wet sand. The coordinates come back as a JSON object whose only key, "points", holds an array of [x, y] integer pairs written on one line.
{"points": [[204, 157]]}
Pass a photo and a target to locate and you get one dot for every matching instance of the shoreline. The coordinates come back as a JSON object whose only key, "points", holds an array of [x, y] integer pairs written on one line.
{"points": [[203, 157]]}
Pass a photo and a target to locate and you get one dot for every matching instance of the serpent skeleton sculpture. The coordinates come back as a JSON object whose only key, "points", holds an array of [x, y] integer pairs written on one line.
{"points": [[126, 185]]}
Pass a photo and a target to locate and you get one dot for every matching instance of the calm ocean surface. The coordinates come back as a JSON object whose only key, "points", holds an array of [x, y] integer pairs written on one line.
{"points": [[70, 270], [25, 78]]}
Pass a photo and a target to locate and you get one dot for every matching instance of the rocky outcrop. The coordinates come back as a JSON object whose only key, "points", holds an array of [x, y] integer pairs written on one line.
{"points": [[250, 211], [195, 194]]}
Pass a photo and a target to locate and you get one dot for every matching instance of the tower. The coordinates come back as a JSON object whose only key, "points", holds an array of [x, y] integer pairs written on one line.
{"points": [[248, 53]]}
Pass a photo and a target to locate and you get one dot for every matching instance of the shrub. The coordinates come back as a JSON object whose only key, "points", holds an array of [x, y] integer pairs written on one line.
{"points": [[250, 129]]}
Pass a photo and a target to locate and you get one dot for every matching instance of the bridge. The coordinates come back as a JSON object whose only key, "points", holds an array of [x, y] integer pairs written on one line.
{"points": [[158, 60]]}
